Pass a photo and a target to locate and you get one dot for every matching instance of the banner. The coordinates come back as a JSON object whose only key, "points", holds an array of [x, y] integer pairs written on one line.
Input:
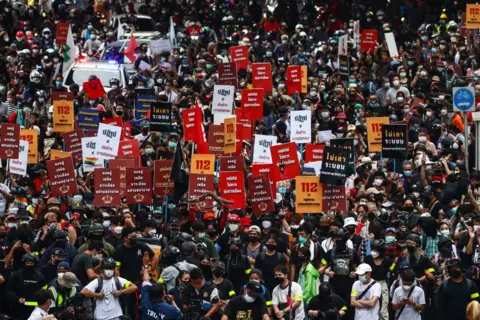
{"points": [[215, 139], [234, 163], [262, 77], [334, 198], [142, 106], [472, 17], [88, 119], [229, 136], [239, 55], [128, 148], [285, 160], [222, 99], [394, 141], [9, 140], [73, 144], [89, 155], [94, 89], [61, 33], [31, 135], [368, 42], [227, 74], [301, 126], [58, 154], [313, 152], [108, 140], [308, 195], [266, 169], [203, 164], [294, 79], [191, 118], [261, 148], [19, 166], [252, 104], [344, 67], [161, 117], [122, 165], [139, 185], [232, 187], [260, 194], [161, 172], [334, 166], [392, 45], [107, 187], [374, 133], [199, 184], [61, 174]]}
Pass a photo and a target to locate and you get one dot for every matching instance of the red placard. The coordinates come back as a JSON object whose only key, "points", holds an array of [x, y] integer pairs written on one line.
{"points": [[244, 130], [294, 79], [127, 131], [313, 152], [260, 194], [115, 121], [232, 187], [62, 33], [235, 163], [9, 140], [61, 174], [122, 165], [94, 89], [285, 160], [227, 74], [128, 148], [161, 172], [107, 187], [192, 118], [73, 144], [334, 198], [239, 55], [262, 77], [215, 139], [139, 185], [252, 104], [199, 184], [260, 169], [368, 40]]}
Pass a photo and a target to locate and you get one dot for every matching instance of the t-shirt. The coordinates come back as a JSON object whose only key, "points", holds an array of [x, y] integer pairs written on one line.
{"points": [[409, 312], [279, 296], [320, 303], [80, 265], [379, 272], [109, 307], [454, 297], [131, 260], [225, 289], [374, 291], [238, 309]]}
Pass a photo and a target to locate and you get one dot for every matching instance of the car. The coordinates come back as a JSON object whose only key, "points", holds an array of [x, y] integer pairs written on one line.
{"points": [[112, 53], [143, 26], [80, 71]]}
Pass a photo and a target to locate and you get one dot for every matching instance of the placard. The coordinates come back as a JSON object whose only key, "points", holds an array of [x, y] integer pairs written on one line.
{"points": [[229, 136], [308, 195], [394, 141], [127, 131], [61, 174], [199, 184], [285, 160], [61, 33], [202, 164], [114, 121], [222, 99], [63, 112], [94, 89], [472, 17], [161, 172], [344, 67], [122, 165], [31, 135], [107, 187], [294, 79], [343, 45], [159, 46], [108, 140], [160, 117], [262, 77], [374, 132], [88, 119], [244, 131], [19, 166], [73, 144], [334, 166], [90, 160], [301, 126], [215, 139], [239, 55], [142, 106], [392, 45], [191, 118], [313, 152], [347, 143], [58, 154], [369, 40], [232, 187], [356, 32], [261, 148], [334, 198], [9, 140], [129, 148], [139, 185], [233, 163], [227, 74], [266, 169], [260, 194], [252, 104]]}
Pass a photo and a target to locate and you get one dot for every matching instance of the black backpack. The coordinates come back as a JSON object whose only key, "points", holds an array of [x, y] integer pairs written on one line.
{"points": [[117, 285]]}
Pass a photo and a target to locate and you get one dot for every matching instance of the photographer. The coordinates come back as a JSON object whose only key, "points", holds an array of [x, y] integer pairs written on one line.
{"points": [[200, 297], [326, 305]]}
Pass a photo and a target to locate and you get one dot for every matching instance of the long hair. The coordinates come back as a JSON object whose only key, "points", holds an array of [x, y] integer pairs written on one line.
{"points": [[473, 310]]}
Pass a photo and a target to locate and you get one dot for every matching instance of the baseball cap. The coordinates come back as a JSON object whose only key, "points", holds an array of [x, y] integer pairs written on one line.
{"points": [[59, 252], [233, 218], [254, 228], [391, 230], [255, 287], [219, 265], [363, 268]]}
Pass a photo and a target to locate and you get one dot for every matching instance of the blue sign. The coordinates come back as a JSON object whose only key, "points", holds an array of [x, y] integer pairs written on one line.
{"points": [[464, 99], [88, 119], [142, 106]]}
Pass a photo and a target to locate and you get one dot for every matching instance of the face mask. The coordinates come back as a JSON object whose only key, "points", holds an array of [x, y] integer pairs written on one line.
{"points": [[390, 239], [362, 278], [400, 99], [411, 249], [407, 173], [59, 83], [217, 273], [302, 240], [108, 273], [275, 94], [152, 232], [407, 288], [172, 144], [93, 37], [132, 241], [233, 227], [266, 224], [340, 244], [378, 182], [11, 225], [403, 74], [455, 273], [284, 41], [279, 280], [422, 139], [149, 150], [476, 229], [118, 230], [249, 299], [106, 223], [396, 83], [271, 246], [375, 254], [325, 115], [445, 233], [409, 209], [281, 86], [454, 211], [386, 85], [201, 235]]}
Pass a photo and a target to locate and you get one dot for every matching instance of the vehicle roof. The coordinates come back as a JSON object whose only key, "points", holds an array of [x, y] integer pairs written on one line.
{"points": [[142, 16], [96, 65]]}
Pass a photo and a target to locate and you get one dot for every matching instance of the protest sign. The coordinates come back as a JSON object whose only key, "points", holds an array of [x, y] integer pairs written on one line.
{"points": [[356, 32], [260, 194], [239, 55], [88, 119], [61, 174], [313, 152], [343, 45], [334, 198], [394, 141], [94, 89], [73, 144], [262, 77], [215, 139], [222, 99], [129, 148], [19, 166], [369, 39], [199, 184], [108, 140], [58, 154], [63, 112], [9, 140], [114, 121], [324, 136], [229, 136], [312, 168], [334, 165], [374, 132], [285, 160], [392, 45], [252, 104], [61, 33], [232, 187], [122, 165], [138, 185], [127, 131], [142, 106], [161, 172], [294, 79], [90, 159], [308, 195], [161, 117], [233, 163], [261, 148], [301, 126], [192, 118], [202, 164], [344, 67], [159, 46], [227, 74], [472, 16], [244, 131], [107, 187], [31, 135], [266, 169], [220, 118], [349, 144]]}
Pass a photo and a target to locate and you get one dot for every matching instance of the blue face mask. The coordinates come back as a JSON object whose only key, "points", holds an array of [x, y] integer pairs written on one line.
{"points": [[433, 50], [302, 240], [41, 100], [282, 190], [149, 150], [172, 144], [249, 299], [59, 83], [201, 235], [90, 27]]}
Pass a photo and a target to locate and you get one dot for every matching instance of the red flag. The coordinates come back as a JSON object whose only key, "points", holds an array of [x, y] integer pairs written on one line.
{"points": [[202, 146], [130, 52]]}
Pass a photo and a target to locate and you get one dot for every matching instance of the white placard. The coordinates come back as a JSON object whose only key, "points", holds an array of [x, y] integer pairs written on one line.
{"points": [[108, 138], [324, 136], [220, 118], [356, 32], [89, 154], [144, 66], [160, 45], [343, 45], [223, 99], [392, 45], [19, 166], [261, 148], [301, 126]]}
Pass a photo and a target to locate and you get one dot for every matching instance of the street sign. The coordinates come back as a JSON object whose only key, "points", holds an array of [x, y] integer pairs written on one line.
{"points": [[464, 99]]}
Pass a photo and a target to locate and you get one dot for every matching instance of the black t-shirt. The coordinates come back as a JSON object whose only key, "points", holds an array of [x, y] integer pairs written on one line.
{"points": [[238, 309], [418, 267], [267, 265], [454, 297], [342, 283], [80, 265], [49, 271], [321, 304], [131, 260], [379, 272], [224, 289]]}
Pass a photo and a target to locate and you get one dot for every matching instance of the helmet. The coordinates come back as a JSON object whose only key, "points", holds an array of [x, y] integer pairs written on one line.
{"points": [[183, 236], [29, 257], [415, 238], [36, 77], [95, 228], [235, 241], [41, 93], [443, 16], [379, 244], [342, 233], [74, 87], [170, 252], [444, 241], [114, 80], [108, 263], [45, 30], [59, 234], [26, 51], [20, 34], [188, 247]]}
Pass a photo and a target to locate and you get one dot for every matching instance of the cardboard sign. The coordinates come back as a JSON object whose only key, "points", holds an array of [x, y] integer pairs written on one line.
{"points": [[294, 79], [191, 119], [334, 166], [94, 89], [114, 121], [31, 136], [392, 45], [162, 184], [232, 187], [61, 174], [261, 148], [260, 194], [107, 187], [239, 55], [57, 154], [308, 195], [252, 104], [202, 164], [9, 140], [89, 155], [234, 163], [122, 165], [129, 148], [73, 144], [301, 126], [127, 131], [229, 136], [334, 198], [344, 66], [285, 160], [160, 117], [199, 184], [262, 77], [472, 17], [19, 166], [108, 140], [61, 33], [266, 169], [394, 141], [313, 152], [139, 185], [227, 74], [142, 106], [369, 39], [63, 112], [88, 119], [374, 133], [222, 99], [215, 139]]}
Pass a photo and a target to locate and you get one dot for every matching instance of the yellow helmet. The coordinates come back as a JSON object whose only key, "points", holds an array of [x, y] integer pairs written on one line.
{"points": [[443, 16]]}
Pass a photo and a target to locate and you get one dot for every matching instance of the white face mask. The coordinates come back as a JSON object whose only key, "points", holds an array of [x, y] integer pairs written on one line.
{"points": [[266, 224], [108, 273], [152, 232], [476, 229], [378, 182], [429, 114], [118, 230], [375, 254], [422, 139], [396, 83], [107, 223], [444, 112], [233, 227], [407, 288], [403, 74], [400, 99]]}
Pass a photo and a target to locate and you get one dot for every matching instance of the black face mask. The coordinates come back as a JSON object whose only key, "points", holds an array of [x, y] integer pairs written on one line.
{"points": [[340, 244], [301, 259], [235, 251], [409, 209], [217, 273], [132, 241], [173, 233], [212, 233], [253, 239], [411, 249], [455, 273], [279, 280], [271, 246], [445, 250], [95, 237]]}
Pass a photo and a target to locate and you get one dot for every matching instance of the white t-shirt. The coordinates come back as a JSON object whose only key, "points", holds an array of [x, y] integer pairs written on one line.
{"points": [[374, 291], [109, 307], [280, 296], [409, 312], [3, 202]]}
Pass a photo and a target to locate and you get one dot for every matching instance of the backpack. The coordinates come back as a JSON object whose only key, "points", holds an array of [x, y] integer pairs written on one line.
{"points": [[263, 256], [117, 285]]}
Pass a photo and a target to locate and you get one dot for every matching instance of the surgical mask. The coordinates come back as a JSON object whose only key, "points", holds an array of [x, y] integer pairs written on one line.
{"points": [[403, 74], [378, 182], [400, 99], [281, 86], [90, 27], [445, 233], [107, 223], [375, 254], [93, 37], [362, 278], [59, 83], [201, 235], [233, 227], [454, 210], [443, 112], [386, 85], [118, 230], [269, 54], [249, 299], [422, 138], [396, 83], [149, 150], [423, 73], [152, 232], [42, 100], [172, 144], [407, 288], [108, 273], [11, 225], [114, 86], [302, 240], [325, 114], [407, 173], [390, 239], [266, 224]]}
